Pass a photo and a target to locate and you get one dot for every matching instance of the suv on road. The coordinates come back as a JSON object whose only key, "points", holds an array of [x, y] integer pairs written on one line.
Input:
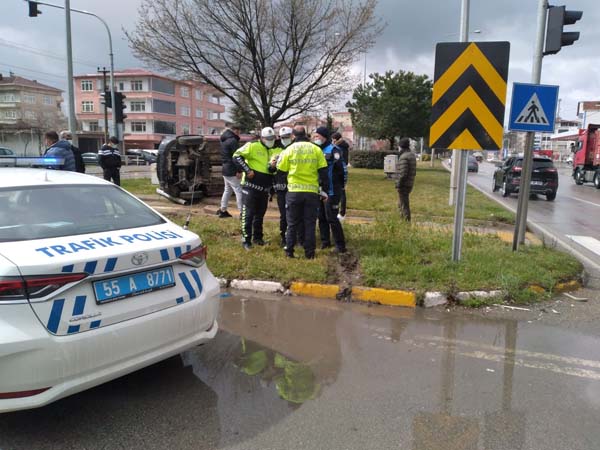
{"points": [[544, 177]]}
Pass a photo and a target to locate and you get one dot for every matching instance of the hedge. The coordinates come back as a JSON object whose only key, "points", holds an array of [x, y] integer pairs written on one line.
{"points": [[363, 159]]}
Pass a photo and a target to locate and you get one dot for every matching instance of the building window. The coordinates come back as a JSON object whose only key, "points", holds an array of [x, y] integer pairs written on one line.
{"points": [[162, 127], [30, 115], [47, 100], [164, 86], [198, 94], [138, 127], [185, 129], [87, 85], [215, 99], [198, 113], [164, 107], [200, 130], [121, 86], [8, 98], [137, 85], [94, 126], [10, 114], [185, 111], [87, 106], [214, 115], [28, 98], [138, 107], [185, 91]]}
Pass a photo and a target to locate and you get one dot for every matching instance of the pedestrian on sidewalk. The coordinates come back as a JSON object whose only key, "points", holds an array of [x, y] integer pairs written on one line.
{"points": [[109, 159], [341, 143], [306, 169], [254, 159], [329, 223], [407, 170], [59, 149], [231, 173]]}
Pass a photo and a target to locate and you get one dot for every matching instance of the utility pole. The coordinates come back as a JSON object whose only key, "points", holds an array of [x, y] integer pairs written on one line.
{"points": [[460, 160], [70, 90], [103, 72], [536, 76]]}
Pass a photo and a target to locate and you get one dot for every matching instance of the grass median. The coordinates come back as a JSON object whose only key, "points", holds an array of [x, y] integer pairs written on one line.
{"points": [[389, 253]]}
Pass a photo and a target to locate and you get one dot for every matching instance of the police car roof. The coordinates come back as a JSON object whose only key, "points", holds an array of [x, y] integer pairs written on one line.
{"points": [[18, 177]]}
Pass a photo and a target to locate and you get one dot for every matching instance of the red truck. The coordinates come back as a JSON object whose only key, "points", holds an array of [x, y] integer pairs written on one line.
{"points": [[586, 164]]}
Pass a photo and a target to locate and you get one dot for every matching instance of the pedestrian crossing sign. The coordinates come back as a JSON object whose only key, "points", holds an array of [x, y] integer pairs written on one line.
{"points": [[533, 107]]}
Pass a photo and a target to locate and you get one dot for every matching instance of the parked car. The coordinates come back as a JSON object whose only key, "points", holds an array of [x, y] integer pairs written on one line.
{"points": [[6, 152], [544, 177], [94, 284], [150, 156], [90, 158], [473, 165], [478, 156]]}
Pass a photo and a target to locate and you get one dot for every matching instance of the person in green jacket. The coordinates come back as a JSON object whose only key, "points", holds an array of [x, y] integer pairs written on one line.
{"points": [[253, 159], [307, 181]]}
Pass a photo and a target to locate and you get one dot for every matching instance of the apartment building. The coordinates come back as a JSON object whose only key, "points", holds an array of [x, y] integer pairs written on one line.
{"points": [[27, 110], [156, 106]]}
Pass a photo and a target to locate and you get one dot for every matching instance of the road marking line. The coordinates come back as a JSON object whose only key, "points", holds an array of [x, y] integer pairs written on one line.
{"points": [[592, 244], [524, 353], [582, 200]]}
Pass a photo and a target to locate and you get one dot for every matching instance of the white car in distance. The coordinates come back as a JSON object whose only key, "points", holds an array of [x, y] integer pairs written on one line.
{"points": [[94, 284]]}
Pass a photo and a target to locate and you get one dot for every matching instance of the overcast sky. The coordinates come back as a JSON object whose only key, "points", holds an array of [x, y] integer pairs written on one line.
{"points": [[408, 42]]}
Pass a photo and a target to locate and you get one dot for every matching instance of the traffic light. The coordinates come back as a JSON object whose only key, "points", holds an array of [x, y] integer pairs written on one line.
{"points": [[120, 106], [558, 17], [106, 99], [33, 9]]}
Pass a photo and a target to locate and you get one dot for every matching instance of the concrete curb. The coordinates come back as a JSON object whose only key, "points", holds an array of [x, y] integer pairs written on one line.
{"points": [[389, 297]]}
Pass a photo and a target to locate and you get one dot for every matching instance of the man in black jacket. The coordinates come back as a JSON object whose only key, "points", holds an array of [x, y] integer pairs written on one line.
{"points": [[407, 168], [341, 143], [110, 161], [231, 173]]}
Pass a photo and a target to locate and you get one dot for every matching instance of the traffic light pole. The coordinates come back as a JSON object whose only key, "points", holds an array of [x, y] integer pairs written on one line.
{"points": [[70, 89], [524, 188], [68, 9], [103, 71]]}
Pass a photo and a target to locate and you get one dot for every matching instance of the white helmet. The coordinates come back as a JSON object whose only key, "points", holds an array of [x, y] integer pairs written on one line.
{"points": [[285, 132], [267, 133]]}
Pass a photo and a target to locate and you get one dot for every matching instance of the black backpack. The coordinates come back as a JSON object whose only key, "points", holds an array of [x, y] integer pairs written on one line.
{"points": [[79, 164]]}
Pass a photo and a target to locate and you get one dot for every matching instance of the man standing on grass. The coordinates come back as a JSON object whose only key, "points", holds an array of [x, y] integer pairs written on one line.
{"points": [[306, 169], [407, 165], [231, 176]]}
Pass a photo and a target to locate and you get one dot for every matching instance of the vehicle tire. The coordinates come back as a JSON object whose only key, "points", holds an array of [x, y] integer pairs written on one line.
{"points": [[579, 177], [494, 185], [551, 197], [505, 191], [597, 179]]}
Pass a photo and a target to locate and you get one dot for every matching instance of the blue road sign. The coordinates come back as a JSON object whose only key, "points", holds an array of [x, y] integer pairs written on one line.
{"points": [[533, 107]]}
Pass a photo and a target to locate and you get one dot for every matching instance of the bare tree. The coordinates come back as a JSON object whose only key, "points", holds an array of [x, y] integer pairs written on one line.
{"points": [[285, 57]]}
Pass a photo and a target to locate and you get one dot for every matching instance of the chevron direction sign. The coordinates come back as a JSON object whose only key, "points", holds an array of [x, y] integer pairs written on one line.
{"points": [[469, 95]]}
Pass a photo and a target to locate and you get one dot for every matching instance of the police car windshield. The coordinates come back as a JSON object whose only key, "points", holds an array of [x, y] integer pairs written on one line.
{"points": [[43, 212]]}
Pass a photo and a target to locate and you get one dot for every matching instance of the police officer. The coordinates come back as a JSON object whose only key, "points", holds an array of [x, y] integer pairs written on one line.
{"points": [[254, 158], [280, 178], [306, 170], [109, 159], [329, 223]]}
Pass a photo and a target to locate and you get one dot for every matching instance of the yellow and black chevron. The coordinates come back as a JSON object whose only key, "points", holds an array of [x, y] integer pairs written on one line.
{"points": [[469, 95]]}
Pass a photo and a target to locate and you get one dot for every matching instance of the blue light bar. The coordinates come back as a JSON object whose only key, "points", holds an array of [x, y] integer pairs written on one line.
{"points": [[25, 161]]}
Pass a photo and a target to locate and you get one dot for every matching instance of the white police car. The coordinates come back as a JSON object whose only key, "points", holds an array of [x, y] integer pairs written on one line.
{"points": [[94, 284]]}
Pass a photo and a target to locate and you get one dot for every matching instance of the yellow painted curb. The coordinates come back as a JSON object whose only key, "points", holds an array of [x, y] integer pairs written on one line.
{"points": [[315, 290], [566, 286], [384, 296]]}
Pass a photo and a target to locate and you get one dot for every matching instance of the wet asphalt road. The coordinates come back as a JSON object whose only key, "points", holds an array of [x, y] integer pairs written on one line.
{"points": [[303, 374], [574, 212]]}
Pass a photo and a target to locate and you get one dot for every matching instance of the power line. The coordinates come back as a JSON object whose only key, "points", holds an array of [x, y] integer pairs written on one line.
{"points": [[44, 53], [32, 70]]}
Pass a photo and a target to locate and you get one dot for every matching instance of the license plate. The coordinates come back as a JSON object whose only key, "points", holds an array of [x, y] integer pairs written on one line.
{"points": [[537, 183], [135, 284]]}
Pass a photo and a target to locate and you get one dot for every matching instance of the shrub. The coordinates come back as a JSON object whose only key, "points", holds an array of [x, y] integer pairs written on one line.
{"points": [[369, 159], [425, 157]]}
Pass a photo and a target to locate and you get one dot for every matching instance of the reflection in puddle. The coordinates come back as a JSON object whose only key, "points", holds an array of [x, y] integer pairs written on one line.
{"points": [[294, 381]]}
